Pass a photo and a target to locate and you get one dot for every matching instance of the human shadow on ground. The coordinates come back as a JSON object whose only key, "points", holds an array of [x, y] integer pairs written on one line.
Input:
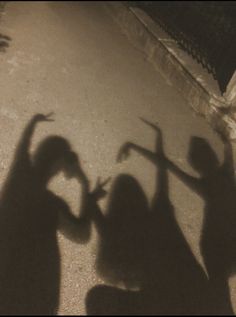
{"points": [[30, 215], [166, 278], [216, 186], [4, 42]]}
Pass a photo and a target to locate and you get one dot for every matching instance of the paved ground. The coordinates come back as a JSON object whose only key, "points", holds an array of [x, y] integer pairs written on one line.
{"points": [[71, 58]]}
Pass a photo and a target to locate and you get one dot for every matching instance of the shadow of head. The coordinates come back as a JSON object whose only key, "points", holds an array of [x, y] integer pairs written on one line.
{"points": [[4, 42], [127, 198], [201, 156], [54, 155]]}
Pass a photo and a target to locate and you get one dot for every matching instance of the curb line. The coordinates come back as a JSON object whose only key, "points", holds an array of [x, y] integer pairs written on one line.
{"points": [[143, 32]]}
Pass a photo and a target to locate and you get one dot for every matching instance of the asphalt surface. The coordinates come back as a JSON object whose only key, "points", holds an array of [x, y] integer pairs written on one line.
{"points": [[72, 59]]}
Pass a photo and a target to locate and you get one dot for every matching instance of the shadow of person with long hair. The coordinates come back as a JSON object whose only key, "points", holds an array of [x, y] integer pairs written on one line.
{"points": [[216, 186], [170, 280], [121, 248], [30, 215], [122, 233]]}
